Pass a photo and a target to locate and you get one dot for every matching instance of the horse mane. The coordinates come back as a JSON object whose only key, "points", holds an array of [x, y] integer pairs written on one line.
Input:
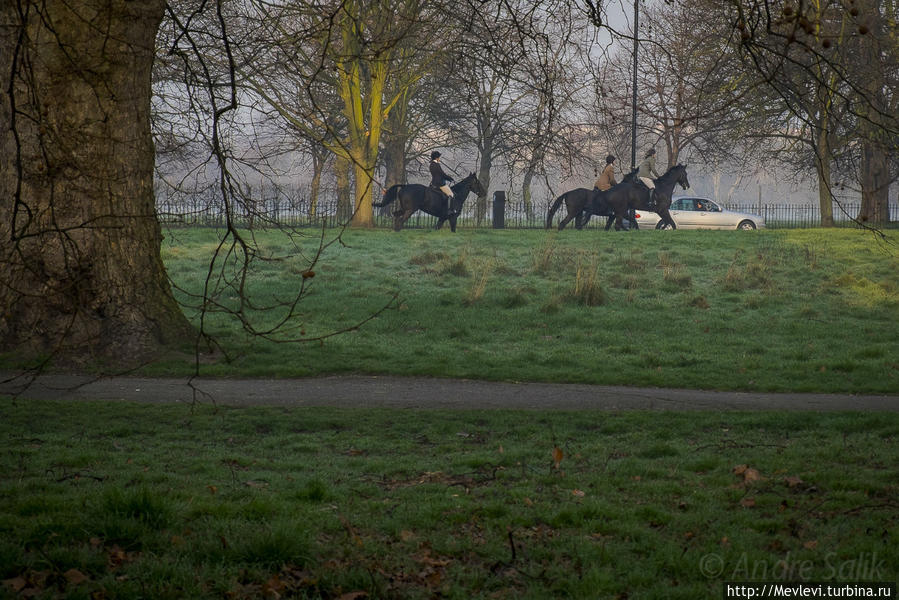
{"points": [[676, 167]]}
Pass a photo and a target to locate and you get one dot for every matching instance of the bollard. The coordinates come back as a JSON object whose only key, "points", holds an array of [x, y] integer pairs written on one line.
{"points": [[499, 209]]}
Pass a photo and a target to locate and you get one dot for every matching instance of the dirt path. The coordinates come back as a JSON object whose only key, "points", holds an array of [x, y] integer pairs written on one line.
{"points": [[421, 392]]}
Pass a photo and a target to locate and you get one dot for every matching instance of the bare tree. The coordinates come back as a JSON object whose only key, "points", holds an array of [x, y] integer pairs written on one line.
{"points": [[808, 56]]}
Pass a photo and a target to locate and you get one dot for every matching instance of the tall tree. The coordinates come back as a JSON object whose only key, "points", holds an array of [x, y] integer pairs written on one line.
{"points": [[79, 239], [806, 54]]}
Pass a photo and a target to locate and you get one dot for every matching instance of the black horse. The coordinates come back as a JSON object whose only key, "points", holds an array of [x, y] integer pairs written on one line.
{"points": [[581, 203], [415, 196], [632, 194]]}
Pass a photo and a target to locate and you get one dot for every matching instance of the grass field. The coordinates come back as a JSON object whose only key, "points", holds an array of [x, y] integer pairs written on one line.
{"points": [[120, 500], [156, 501], [787, 310]]}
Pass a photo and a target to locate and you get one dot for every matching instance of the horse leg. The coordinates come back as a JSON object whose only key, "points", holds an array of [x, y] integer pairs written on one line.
{"points": [[632, 217], [609, 221], [565, 221], [401, 219], [582, 219], [452, 221]]}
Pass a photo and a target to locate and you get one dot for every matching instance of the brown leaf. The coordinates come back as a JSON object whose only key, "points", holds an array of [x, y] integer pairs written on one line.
{"points": [[793, 481], [578, 493], [273, 587], [747, 502], [810, 545], [358, 595], [75, 577], [16, 584], [558, 455], [746, 473]]}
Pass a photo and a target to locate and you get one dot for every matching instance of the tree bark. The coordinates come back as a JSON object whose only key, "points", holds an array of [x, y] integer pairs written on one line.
{"points": [[82, 276], [823, 158], [874, 166]]}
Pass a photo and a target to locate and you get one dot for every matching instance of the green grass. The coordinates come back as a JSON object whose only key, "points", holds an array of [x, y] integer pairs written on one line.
{"points": [[787, 310], [118, 500]]}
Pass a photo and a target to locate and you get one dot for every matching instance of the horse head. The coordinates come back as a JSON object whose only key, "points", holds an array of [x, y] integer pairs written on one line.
{"points": [[471, 184], [476, 186], [682, 176]]}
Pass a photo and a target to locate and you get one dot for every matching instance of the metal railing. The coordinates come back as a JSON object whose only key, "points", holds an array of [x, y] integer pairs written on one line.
{"points": [[282, 210]]}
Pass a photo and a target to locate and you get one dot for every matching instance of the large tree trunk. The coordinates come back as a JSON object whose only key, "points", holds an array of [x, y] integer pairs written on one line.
{"points": [[82, 276], [344, 193], [822, 167], [875, 183], [874, 166]]}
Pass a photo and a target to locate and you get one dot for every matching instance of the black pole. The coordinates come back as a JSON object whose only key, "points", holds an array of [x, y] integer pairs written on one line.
{"points": [[634, 95]]}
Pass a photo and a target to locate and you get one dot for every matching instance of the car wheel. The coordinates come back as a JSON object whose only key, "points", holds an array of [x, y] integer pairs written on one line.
{"points": [[663, 225], [746, 225]]}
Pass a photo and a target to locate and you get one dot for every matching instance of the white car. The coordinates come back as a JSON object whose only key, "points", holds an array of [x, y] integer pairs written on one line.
{"points": [[691, 212]]}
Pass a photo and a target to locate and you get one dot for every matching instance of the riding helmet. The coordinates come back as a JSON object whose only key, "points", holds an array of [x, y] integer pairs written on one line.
{"points": [[435, 154]]}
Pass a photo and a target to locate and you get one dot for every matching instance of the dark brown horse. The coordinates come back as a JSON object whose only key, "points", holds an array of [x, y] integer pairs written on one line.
{"points": [[629, 195], [577, 203], [415, 196]]}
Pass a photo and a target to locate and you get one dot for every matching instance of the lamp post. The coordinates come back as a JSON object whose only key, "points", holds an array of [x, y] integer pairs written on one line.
{"points": [[634, 95]]}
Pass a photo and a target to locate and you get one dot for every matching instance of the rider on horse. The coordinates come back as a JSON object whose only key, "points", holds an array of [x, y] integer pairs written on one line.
{"points": [[647, 171], [607, 177], [439, 179]]}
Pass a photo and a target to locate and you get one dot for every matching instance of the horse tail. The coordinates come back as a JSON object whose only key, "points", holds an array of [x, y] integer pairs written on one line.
{"points": [[553, 209], [389, 196]]}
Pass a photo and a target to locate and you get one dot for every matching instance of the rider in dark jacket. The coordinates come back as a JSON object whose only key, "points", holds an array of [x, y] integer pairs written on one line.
{"points": [[439, 179]]}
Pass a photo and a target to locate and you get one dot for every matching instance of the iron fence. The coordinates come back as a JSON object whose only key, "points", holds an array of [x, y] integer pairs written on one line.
{"points": [[277, 209]]}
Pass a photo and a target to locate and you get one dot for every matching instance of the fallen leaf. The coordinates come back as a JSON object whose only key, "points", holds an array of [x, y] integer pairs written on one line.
{"points": [[746, 473], [558, 455], [16, 584], [747, 502], [810, 545], [578, 493], [75, 577], [273, 587], [793, 481], [212, 489]]}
